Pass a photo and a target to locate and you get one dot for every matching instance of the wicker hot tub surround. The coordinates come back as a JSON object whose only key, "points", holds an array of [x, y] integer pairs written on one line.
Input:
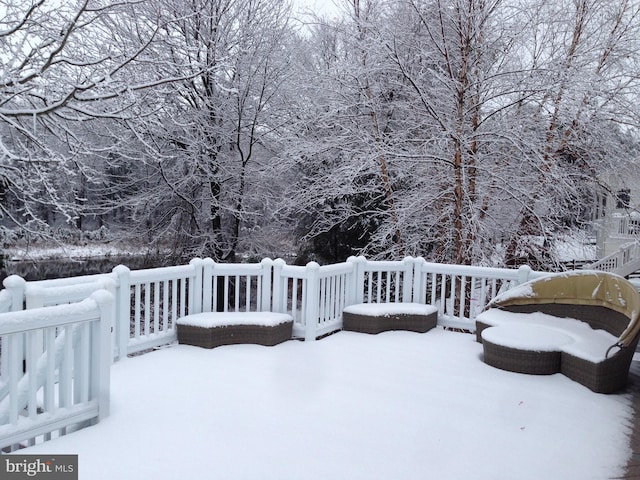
{"points": [[214, 329]]}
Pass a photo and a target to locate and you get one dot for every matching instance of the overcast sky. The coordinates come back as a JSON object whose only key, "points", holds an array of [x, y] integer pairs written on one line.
{"points": [[320, 7]]}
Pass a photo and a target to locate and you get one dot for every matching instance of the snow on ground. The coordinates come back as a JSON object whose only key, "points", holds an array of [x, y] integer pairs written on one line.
{"points": [[398, 405], [576, 246], [90, 250]]}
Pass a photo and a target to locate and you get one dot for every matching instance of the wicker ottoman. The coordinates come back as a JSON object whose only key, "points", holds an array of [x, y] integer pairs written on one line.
{"points": [[375, 318], [524, 348], [213, 329]]}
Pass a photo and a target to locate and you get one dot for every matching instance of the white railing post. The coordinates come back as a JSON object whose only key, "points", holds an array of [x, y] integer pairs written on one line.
{"points": [[352, 287], [313, 300], [264, 303], [34, 297], [16, 286], [207, 284], [101, 352], [278, 285], [524, 272], [122, 310], [358, 278], [419, 290], [195, 290], [407, 280]]}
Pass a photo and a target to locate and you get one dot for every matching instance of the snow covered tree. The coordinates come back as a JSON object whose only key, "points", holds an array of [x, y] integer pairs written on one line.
{"points": [[346, 185], [63, 65], [212, 134], [470, 124], [587, 69]]}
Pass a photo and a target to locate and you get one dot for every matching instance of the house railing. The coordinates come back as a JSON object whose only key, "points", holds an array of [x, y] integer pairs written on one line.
{"points": [[624, 261], [64, 331], [625, 225], [56, 369]]}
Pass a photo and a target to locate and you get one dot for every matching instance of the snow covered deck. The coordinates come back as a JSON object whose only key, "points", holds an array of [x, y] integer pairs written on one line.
{"points": [[146, 306], [394, 405]]}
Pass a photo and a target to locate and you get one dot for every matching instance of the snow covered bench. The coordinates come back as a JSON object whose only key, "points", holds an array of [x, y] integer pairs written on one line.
{"points": [[381, 317], [582, 324], [213, 329]]}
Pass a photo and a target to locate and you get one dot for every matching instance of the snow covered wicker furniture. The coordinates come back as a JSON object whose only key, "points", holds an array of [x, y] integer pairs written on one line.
{"points": [[381, 317], [583, 324], [213, 329], [524, 348]]}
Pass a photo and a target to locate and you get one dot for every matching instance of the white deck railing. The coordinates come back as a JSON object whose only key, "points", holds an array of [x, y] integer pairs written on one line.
{"points": [[236, 287], [56, 367], [313, 295], [149, 302], [625, 225], [462, 292], [623, 262]]}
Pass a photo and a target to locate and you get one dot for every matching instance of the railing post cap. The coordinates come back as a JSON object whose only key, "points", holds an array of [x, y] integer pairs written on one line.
{"points": [[523, 273], [196, 261], [207, 261], [14, 281], [266, 261], [279, 262], [121, 270], [313, 265]]}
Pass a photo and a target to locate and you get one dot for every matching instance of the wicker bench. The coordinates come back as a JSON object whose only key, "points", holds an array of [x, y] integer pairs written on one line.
{"points": [[375, 318], [213, 329], [590, 320]]}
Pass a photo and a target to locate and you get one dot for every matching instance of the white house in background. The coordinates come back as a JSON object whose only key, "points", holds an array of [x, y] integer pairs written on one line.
{"points": [[617, 215]]}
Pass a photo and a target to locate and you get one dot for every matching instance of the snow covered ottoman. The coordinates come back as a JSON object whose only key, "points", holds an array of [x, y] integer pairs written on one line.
{"points": [[381, 317], [213, 329]]}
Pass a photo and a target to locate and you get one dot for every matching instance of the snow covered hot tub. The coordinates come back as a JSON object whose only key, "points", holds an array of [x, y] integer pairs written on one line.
{"points": [[381, 317]]}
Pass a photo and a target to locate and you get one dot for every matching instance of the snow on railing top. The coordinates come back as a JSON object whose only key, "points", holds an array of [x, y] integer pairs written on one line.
{"points": [[38, 294]]}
